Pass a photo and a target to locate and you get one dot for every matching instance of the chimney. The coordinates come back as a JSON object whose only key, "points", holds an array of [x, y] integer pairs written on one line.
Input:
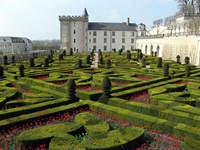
{"points": [[128, 21]]}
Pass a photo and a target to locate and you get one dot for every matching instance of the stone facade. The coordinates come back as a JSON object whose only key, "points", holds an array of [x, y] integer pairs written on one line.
{"points": [[77, 33], [177, 38], [73, 32], [169, 47], [14, 45]]}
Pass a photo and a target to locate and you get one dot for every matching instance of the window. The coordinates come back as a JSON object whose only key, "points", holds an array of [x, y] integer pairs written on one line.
{"points": [[89, 33], [90, 40], [94, 40], [5, 45], [123, 33], [123, 40], [74, 40], [113, 40], [105, 40], [74, 31], [94, 47], [132, 40], [105, 33], [142, 33], [132, 47], [113, 33], [94, 33], [105, 48], [123, 47], [132, 34]]}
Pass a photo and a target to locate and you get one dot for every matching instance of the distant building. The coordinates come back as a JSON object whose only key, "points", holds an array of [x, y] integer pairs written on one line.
{"points": [[77, 33], [14, 44], [180, 35]]}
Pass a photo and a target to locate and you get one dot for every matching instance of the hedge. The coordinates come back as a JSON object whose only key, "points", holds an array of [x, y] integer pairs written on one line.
{"points": [[135, 106], [18, 115]]}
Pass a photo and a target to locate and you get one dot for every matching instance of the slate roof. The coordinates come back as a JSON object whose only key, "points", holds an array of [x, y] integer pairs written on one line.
{"points": [[112, 26], [14, 39]]}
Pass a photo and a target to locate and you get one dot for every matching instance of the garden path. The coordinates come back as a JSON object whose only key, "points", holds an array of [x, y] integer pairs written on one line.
{"points": [[95, 61]]}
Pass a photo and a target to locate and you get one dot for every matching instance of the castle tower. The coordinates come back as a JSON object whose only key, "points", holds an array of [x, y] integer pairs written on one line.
{"points": [[73, 32]]}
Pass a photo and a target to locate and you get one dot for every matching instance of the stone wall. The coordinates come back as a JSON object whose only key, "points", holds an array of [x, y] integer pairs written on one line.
{"points": [[170, 47]]}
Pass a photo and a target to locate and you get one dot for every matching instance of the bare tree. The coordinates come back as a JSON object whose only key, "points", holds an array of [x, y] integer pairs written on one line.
{"points": [[188, 6]]}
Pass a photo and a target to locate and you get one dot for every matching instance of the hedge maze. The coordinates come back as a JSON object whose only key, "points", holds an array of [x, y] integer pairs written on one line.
{"points": [[131, 101]]}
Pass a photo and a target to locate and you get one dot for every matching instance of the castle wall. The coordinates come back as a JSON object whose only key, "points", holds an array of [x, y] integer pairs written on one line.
{"points": [[107, 40], [172, 46], [65, 35], [73, 32], [78, 35]]}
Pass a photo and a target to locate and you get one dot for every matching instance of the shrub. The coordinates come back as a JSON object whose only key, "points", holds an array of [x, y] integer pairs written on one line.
{"points": [[50, 57], [100, 53], [71, 90], [108, 63], [166, 69], [187, 70], [159, 63], [139, 54], [101, 60], [46, 62], [31, 62], [120, 51], [61, 57], [143, 62], [71, 52], [178, 59], [21, 70], [64, 53], [91, 54], [13, 59], [106, 87], [79, 63], [128, 55], [5, 60], [187, 60], [88, 59], [1, 71]]}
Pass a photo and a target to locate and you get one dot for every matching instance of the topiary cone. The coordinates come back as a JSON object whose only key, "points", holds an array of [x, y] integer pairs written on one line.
{"points": [[71, 90]]}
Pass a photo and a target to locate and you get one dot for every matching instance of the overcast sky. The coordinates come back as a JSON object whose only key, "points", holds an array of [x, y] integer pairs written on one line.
{"points": [[38, 19]]}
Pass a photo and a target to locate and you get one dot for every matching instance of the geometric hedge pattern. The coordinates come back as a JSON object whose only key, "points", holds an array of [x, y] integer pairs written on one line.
{"points": [[147, 109]]}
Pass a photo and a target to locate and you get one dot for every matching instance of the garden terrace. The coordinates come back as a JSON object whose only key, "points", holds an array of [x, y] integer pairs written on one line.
{"points": [[145, 110]]}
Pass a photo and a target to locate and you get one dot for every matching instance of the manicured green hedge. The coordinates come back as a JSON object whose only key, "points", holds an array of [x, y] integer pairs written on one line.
{"points": [[46, 133], [135, 106], [30, 116], [184, 130], [180, 117], [139, 89], [140, 119]]}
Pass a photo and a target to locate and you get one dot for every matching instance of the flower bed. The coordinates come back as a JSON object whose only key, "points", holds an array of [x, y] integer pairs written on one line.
{"points": [[154, 139], [69, 72], [143, 77], [88, 88], [42, 77], [21, 89], [121, 82], [8, 137], [181, 82], [59, 82], [144, 97]]}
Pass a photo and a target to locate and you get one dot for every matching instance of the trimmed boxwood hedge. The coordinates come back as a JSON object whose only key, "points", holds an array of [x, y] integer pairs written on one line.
{"points": [[24, 118]]}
